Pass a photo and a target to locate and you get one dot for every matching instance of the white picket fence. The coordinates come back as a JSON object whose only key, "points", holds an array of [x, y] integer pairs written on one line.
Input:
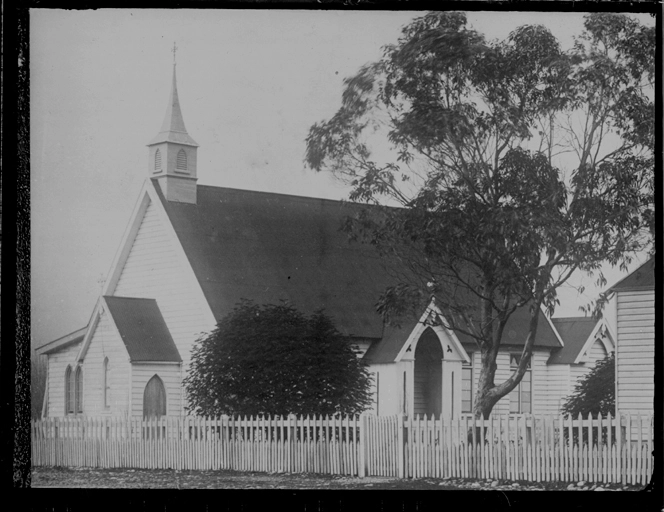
{"points": [[524, 447]]}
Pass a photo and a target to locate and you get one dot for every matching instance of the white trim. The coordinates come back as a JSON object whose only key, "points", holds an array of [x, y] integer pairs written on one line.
{"points": [[553, 327], [92, 327], [608, 346], [420, 327], [127, 242], [56, 344]]}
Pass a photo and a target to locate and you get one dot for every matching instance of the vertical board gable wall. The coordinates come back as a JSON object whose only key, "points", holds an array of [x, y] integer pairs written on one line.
{"points": [[153, 270], [106, 342]]}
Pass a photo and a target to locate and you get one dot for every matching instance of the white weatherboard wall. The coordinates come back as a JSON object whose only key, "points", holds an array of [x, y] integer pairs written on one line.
{"points": [[57, 366], [559, 384], [549, 382], [106, 342], [635, 351], [152, 270], [169, 373]]}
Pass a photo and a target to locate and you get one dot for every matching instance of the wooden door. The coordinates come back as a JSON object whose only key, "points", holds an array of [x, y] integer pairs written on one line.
{"points": [[154, 398]]}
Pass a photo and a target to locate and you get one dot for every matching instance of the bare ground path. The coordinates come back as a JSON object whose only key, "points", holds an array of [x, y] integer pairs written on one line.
{"points": [[44, 477]]}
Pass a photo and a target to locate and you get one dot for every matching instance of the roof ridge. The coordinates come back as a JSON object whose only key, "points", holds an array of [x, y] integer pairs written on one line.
{"points": [[292, 196]]}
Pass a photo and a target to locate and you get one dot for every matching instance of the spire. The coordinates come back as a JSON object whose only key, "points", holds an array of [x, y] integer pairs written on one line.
{"points": [[173, 129]]}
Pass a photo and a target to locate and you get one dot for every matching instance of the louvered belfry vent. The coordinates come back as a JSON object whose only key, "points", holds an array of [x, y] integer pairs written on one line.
{"points": [[182, 160], [157, 160]]}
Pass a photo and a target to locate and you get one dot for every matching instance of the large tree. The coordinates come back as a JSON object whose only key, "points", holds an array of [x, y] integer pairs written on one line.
{"points": [[273, 360], [512, 165]]}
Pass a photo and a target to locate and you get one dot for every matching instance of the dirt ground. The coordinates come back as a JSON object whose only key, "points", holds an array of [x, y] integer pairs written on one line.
{"points": [[50, 477]]}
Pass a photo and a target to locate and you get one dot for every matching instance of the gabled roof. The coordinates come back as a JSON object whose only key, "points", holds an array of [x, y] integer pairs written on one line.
{"points": [[62, 342], [142, 329], [388, 347], [516, 331], [575, 332], [643, 278], [270, 247], [273, 247]]}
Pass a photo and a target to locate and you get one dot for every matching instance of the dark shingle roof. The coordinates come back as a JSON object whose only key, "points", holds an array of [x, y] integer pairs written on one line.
{"points": [[516, 331], [270, 247], [574, 331], [642, 278], [143, 329]]}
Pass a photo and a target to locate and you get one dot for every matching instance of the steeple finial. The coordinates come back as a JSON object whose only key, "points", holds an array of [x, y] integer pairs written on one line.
{"points": [[172, 128]]}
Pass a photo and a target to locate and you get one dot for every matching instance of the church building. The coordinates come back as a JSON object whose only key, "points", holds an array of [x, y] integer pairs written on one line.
{"points": [[191, 252]]}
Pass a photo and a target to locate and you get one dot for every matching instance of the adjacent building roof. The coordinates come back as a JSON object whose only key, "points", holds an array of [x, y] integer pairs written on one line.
{"points": [[273, 247], [575, 332], [643, 278], [143, 329], [62, 342], [516, 331]]}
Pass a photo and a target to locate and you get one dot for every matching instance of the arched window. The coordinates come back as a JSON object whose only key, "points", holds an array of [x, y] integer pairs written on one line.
{"points": [[79, 389], [182, 160], [69, 391], [104, 384], [157, 160], [154, 398]]}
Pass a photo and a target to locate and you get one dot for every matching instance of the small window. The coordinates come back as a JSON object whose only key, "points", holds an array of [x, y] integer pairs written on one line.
{"points": [[182, 160], [521, 396], [104, 384], [69, 391], [157, 160], [405, 394], [79, 389], [467, 385]]}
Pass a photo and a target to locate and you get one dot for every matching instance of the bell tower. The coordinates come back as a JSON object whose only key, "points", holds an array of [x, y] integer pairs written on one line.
{"points": [[172, 157]]}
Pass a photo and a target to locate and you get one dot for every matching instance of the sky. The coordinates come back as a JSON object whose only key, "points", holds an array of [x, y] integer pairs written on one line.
{"points": [[250, 83]]}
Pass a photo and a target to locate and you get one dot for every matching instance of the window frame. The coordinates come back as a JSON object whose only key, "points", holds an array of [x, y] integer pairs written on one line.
{"points": [[78, 390], [184, 169], [471, 368], [519, 390], [69, 390], [157, 158], [105, 386]]}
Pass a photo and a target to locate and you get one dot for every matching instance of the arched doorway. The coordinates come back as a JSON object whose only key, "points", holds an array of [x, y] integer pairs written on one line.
{"points": [[428, 378], [154, 398]]}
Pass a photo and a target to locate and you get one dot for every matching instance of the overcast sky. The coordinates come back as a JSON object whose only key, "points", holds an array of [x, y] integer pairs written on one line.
{"points": [[250, 83]]}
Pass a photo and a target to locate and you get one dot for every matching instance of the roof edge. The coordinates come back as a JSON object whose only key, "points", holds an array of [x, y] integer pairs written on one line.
{"points": [[62, 342]]}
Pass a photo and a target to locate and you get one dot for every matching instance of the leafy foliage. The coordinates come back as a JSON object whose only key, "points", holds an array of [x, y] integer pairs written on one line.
{"points": [[515, 163], [595, 393], [271, 359]]}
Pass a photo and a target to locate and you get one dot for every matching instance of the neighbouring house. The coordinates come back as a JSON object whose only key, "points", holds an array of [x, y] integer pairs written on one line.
{"points": [[587, 340], [191, 252], [634, 313]]}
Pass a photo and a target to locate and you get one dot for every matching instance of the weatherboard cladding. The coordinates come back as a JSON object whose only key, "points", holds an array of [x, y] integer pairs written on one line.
{"points": [[143, 329], [574, 332]]}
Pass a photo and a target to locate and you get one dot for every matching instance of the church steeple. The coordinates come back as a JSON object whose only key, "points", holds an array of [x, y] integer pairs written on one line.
{"points": [[173, 129], [173, 152]]}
